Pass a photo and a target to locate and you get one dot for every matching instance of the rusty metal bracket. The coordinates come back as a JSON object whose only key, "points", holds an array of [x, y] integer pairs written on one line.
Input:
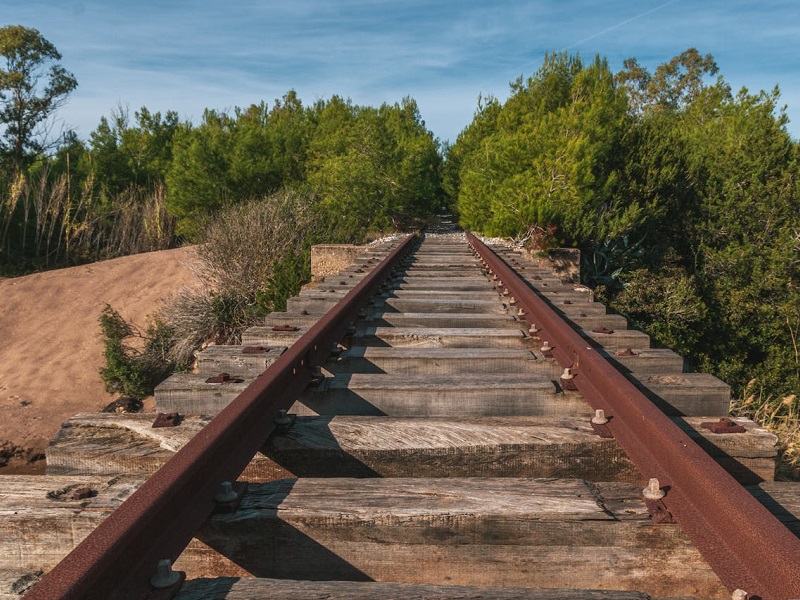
{"points": [[659, 512], [604, 330], [626, 352], [724, 425], [171, 419], [601, 429], [224, 378], [82, 493], [255, 350]]}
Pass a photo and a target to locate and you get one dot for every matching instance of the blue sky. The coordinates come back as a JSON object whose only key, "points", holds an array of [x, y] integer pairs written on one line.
{"points": [[187, 55]]}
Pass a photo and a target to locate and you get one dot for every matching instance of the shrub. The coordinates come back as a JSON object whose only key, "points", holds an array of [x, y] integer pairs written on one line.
{"points": [[667, 305], [135, 362], [253, 257]]}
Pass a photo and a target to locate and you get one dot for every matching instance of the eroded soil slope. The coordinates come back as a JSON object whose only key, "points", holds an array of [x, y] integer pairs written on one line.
{"points": [[50, 342]]}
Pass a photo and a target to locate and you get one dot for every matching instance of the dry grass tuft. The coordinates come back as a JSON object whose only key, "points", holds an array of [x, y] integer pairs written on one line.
{"points": [[249, 259], [781, 416]]}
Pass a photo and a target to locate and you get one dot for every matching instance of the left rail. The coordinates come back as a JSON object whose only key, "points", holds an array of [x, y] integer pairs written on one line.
{"points": [[157, 522]]}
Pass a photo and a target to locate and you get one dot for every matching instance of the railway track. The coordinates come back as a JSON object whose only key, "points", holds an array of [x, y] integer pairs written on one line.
{"points": [[442, 420]]}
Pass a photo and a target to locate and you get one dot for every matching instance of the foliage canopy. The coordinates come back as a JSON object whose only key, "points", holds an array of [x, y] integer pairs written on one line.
{"points": [[682, 196]]}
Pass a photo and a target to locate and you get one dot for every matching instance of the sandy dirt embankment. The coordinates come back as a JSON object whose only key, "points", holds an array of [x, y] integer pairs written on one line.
{"points": [[50, 342]]}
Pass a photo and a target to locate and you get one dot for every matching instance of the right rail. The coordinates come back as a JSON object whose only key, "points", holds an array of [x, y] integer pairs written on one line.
{"points": [[745, 544]]}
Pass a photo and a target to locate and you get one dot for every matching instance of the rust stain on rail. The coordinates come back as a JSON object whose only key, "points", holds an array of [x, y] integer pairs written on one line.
{"points": [[747, 547], [157, 522]]}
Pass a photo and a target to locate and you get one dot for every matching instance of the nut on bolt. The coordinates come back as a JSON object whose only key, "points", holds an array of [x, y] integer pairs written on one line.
{"points": [[567, 380], [284, 421], [225, 495], [599, 417], [546, 347], [739, 595], [653, 490], [164, 576]]}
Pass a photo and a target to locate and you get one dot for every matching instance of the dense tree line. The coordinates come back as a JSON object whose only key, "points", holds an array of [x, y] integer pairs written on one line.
{"points": [[683, 197], [145, 181], [369, 167]]}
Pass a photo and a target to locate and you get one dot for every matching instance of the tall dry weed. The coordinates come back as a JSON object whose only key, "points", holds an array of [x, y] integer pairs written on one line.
{"points": [[781, 416], [244, 253]]}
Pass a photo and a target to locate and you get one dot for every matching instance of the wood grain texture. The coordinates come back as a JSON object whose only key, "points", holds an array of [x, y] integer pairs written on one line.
{"points": [[442, 305], [446, 531], [691, 394], [109, 444], [189, 394], [279, 589], [782, 498], [40, 524], [437, 361], [436, 531], [626, 338], [452, 292], [235, 361], [439, 396], [14, 583], [440, 337], [441, 320], [648, 361]]}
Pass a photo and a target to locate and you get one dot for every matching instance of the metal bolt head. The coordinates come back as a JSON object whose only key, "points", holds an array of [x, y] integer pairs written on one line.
{"points": [[225, 493], [739, 595], [653, 490], [533, 328], [164, 576], [545, 347], [567, 374], [599, 417], [283, 420]]}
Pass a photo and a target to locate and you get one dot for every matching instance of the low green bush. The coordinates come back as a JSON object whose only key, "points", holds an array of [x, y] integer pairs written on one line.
{"points": [[135, 361]]}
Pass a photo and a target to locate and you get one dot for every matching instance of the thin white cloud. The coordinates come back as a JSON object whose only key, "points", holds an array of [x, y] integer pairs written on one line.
{"points": [[621, 24]]}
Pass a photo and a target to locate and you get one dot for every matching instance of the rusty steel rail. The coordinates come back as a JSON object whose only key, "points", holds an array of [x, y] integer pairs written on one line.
{"points": [[157, 522], [746, 546]]}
